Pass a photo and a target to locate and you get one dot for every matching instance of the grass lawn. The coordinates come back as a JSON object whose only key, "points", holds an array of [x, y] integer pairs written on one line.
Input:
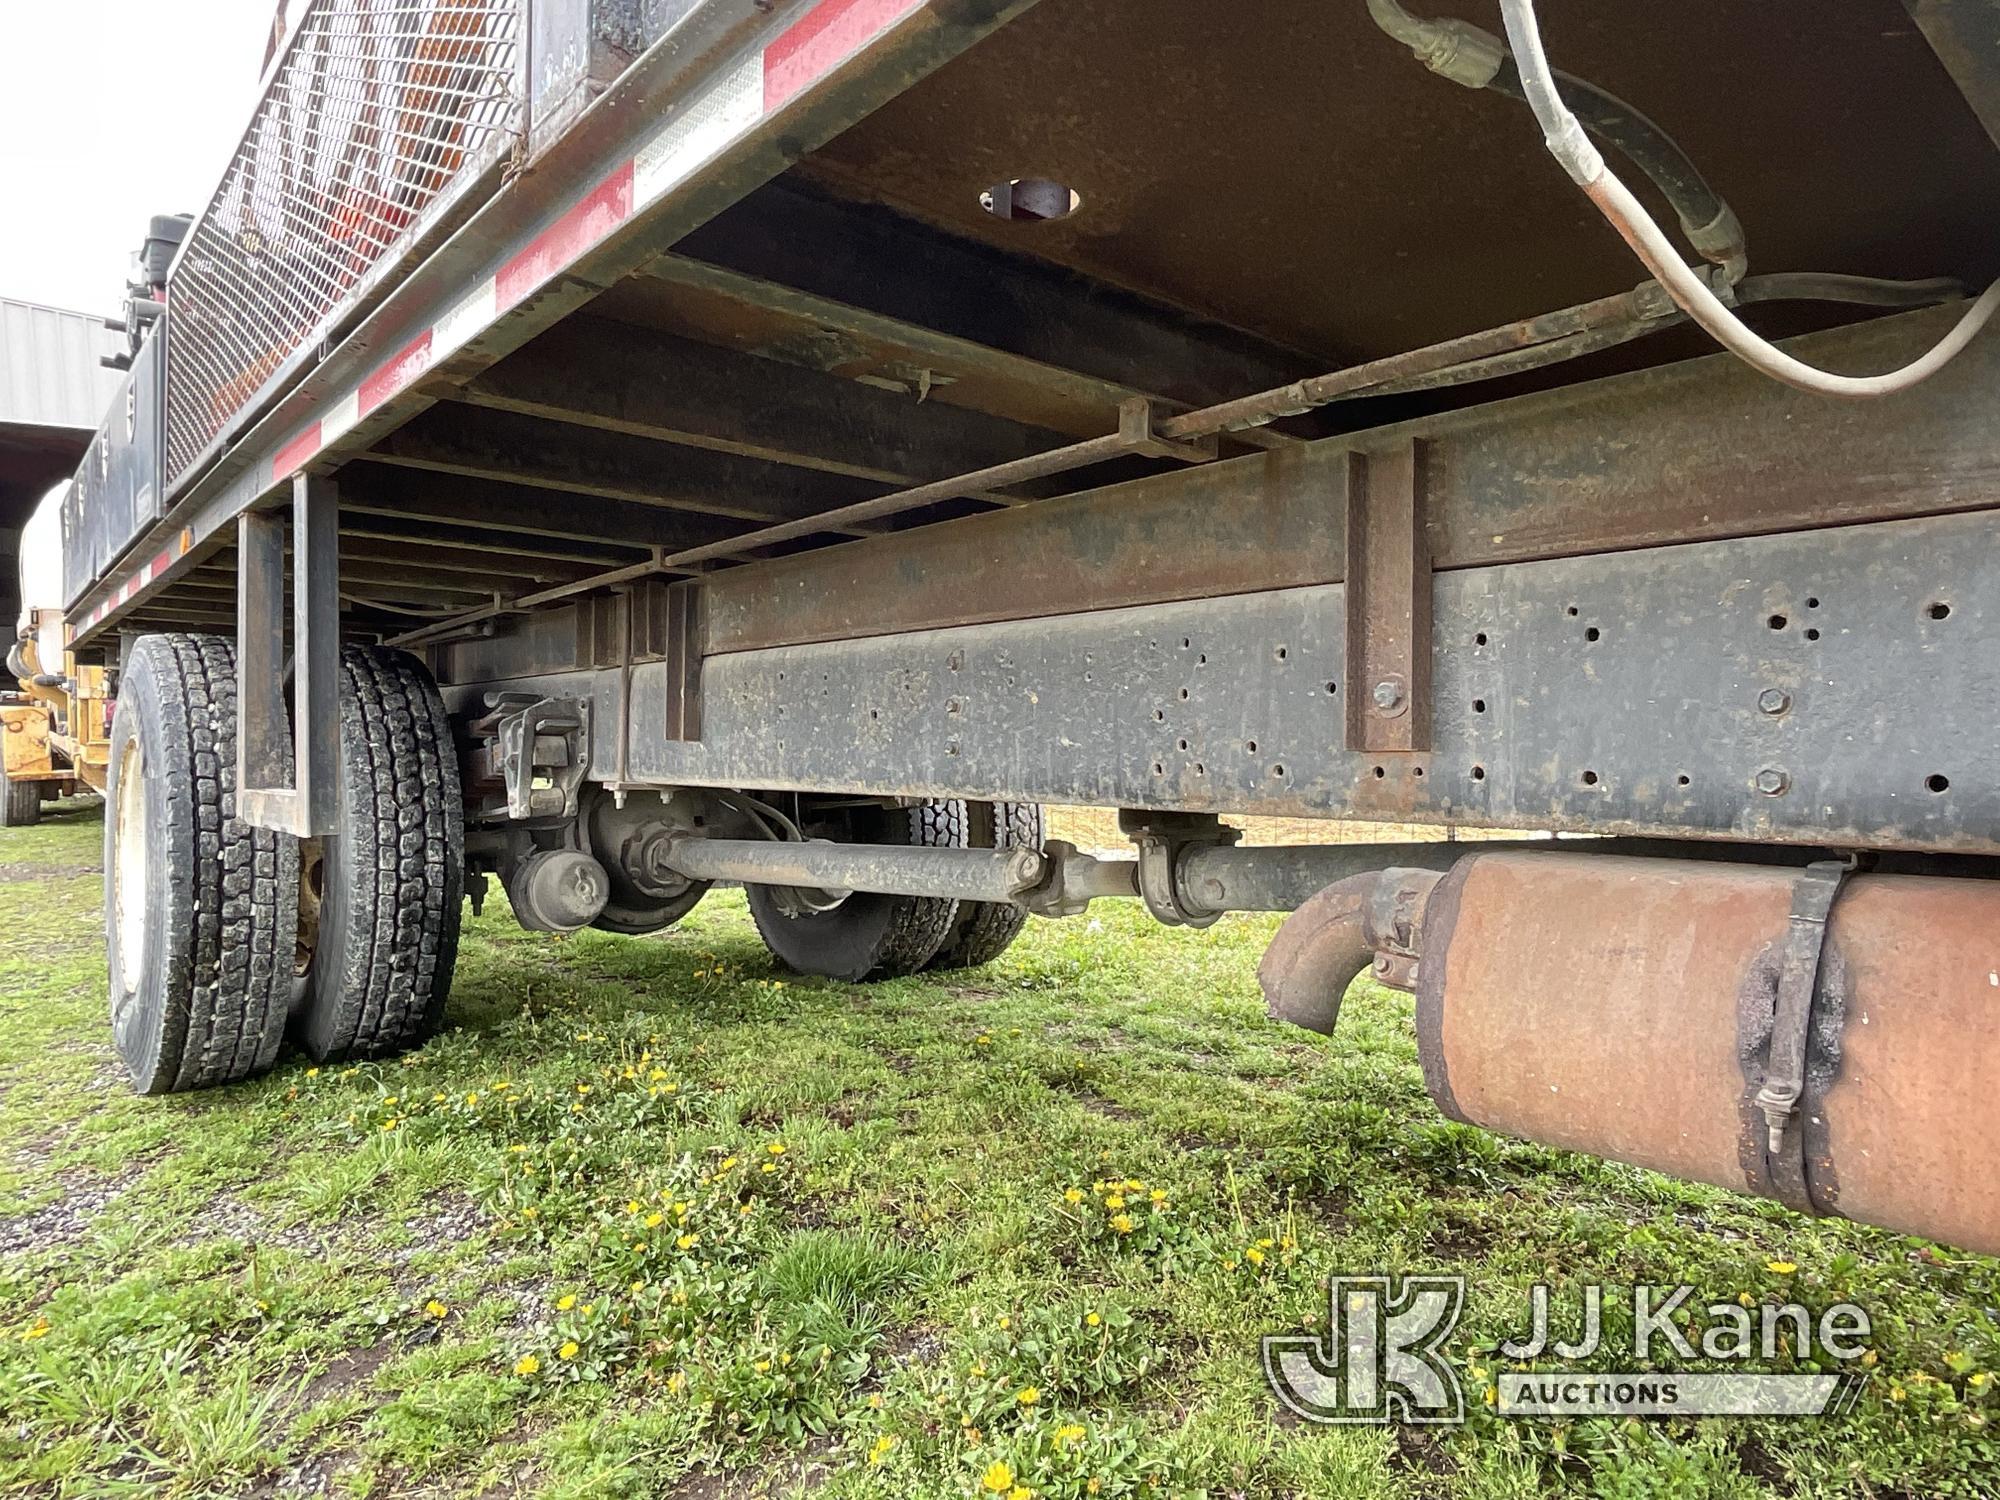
{"points": [[653, 1218]]}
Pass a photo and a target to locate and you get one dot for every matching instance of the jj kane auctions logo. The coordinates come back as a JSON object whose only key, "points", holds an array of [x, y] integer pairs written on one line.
{"points": [[1381, 1358]]}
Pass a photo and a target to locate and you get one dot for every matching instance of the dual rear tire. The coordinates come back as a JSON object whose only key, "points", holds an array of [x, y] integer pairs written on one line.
{"points": [[210, 965], [870, 936]]}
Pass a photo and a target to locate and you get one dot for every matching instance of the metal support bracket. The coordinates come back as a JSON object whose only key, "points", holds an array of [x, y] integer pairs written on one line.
{"points": [[1388, 598], [1799, 979], [684, 647], [272, 747], [1138, 429], [552, 735], [1163, 839]]}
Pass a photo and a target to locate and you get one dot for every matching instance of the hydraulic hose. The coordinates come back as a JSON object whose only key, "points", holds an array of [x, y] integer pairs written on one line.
{"points": [[1569, 143]]}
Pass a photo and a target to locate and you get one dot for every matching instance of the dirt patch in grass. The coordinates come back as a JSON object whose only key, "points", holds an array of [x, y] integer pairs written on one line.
{"points": [[64, 1221], [11, 874]]}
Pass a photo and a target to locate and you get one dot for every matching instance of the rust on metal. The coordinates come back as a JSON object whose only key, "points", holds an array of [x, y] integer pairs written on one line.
{"points": [[1388, 600], [683, 646], [1625, 1008], [1699, 452], [1366, 923]]}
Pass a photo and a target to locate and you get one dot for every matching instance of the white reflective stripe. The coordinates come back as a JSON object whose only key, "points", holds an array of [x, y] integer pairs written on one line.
{"points": [[469, 318], [700, 132], [338, 417]]}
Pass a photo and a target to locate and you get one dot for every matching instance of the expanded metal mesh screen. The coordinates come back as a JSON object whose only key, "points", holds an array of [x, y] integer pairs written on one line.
{"points": [[380, 112]]}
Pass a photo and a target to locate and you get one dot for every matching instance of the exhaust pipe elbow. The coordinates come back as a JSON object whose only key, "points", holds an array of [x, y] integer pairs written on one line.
{"points": [[1316, 955]]}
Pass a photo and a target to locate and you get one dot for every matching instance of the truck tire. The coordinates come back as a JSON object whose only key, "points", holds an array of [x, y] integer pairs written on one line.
{"points": [[200, 911], [20, 802], [983, 930], [869, 936], [391, 879], [630, 918]]}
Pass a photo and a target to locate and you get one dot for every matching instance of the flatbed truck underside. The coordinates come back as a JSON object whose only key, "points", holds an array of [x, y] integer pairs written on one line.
{"points": [[801, 439]]}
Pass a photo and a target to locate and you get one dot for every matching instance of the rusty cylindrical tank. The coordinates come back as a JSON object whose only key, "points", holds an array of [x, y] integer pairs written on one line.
{"points": [[1625, 1008]]}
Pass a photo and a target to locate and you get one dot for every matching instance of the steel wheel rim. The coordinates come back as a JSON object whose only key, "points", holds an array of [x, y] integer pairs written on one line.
{"points": [[129, 866]]}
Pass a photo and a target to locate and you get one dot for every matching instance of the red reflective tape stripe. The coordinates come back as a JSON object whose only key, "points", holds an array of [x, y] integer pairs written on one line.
{"points": [[292, 457], [396, 375], [822, 39], [558, 246], [163, 562]]}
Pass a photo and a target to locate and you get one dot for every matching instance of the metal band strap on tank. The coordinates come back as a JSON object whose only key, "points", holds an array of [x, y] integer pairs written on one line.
{"points": [[1791, 1032]]}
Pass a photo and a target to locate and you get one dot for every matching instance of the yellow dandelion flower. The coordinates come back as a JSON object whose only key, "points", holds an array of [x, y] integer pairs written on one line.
{"points": [[882, 1446], [1070, 1432], [769, 1166], [998, 1478], [1020, 1492], [1005, 1321], [1159, 1195], [39, 1331], [655, 1220], [1092, 1319], [527, 1364], [1780, 1267], [312, 1072], [728, 1164], [1254, 1256], [637, 1287], [676, 1381], [1122, 1223], [1115, 1202], [517, 1150], [436, 1308], [982, 1041], [1093, 1486], [569, 1349], [632, 1205], [687, 1242], [389, 1124], [776, 1148], [1073, 1195], [762, 1367], [1028, 1395], [472, 1099], [875, 1402], [583, 1088], [1134, 1185], [565, 1302]]}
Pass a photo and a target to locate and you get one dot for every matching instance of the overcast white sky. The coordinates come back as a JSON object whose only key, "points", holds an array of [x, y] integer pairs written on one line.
{"points": [[112, 111]]}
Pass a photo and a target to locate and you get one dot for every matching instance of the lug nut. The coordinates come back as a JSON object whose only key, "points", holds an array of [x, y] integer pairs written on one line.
{"points": [[1773, 782], [1774, 700]]}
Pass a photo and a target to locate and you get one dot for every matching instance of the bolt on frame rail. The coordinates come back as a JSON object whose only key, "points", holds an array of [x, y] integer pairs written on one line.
{"points": [[789, 443]]}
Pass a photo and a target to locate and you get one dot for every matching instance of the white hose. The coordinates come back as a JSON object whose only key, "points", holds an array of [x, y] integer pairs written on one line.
{"points": [[1571, 146]]}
